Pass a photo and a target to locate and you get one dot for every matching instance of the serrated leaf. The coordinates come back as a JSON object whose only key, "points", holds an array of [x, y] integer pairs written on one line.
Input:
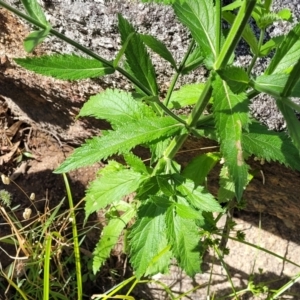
{"points": [[184, 237], [194, 60], [111, 187], [165, 185], [187, 212], [198, 196], [292, 122], [135, 163], [287, 54], [116, 107], [158, 149], [137, 57], [199, 17], [64, 66], [159, 48], [199, 167], [35, 38], [231, 116], [236, 78], [186, 95], [267, 19], [109, 238], [274, 85], [271, 44], [148, 188], [226, 190], [120, 141], [271, 145], [248, 34], [148, 239], [35, 11]]}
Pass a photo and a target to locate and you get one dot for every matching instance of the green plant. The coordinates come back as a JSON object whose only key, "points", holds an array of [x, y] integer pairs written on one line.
{"points": [[171, 207], [45, 249]]}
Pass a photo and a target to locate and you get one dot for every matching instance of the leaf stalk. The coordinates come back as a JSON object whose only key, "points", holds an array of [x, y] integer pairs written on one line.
{"points": [[235, 33]]}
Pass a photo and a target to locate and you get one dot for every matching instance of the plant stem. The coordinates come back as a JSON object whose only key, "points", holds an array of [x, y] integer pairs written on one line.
{"points": [[178, 72], [221, 258], [198, 109], [286, 287], [227, 226], [75, 239], [218, 26], [255, 57], [47, 258], [78, 46], [235, 33], [168, 111]]}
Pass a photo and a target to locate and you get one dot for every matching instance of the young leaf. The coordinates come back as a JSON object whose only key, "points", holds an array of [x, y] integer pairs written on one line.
{"points": [[186, 95], [148, 238], [184, 237], [157, 149], [116, 107], [35, 38], [111, 187], [199, 167], [287, 54], [199, 17], [70, 67], [292, 122], [198, 196], [267, 19], [137, 58], [236, 78], [274, 85], [120, 141], [231, 115], [35, 11], [135, 163], [159, 48], [110, 236], [271, 145]]}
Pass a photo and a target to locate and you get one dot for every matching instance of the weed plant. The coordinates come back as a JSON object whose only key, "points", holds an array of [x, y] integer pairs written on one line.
{"points": [[172, 215], [43, 250]]}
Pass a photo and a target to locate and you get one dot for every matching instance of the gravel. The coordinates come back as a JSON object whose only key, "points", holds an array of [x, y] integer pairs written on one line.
{"points": [[93, 23]]}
